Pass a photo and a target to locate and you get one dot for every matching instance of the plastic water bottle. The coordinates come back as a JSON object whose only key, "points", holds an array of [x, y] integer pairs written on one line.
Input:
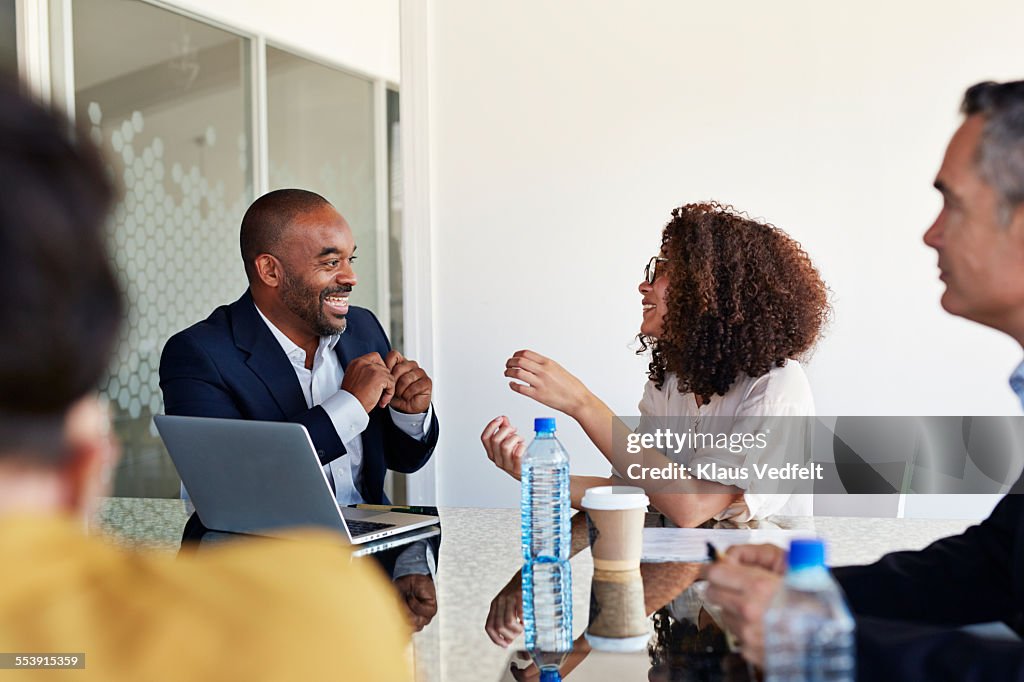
{"points": [[547, 576], [547, 611], [545, 496], [808, 630]]}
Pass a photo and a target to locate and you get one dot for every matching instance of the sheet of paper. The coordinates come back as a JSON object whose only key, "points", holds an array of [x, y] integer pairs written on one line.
{"points": [[690, 544]]}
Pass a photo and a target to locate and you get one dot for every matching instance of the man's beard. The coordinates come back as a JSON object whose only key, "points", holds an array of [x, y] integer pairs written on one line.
{"points": [[308, 305]]}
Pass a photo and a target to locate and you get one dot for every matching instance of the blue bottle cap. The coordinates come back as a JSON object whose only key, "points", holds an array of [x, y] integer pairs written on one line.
{"points": [[550, 674], [806, 554], [544, 424]]}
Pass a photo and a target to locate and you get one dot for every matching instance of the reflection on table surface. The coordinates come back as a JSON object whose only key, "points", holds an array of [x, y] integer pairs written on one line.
{"points": [[481, 555], [686, 641]]}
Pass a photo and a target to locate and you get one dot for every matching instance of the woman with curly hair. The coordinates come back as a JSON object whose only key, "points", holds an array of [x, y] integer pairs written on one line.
{"points": [[730, 305]]}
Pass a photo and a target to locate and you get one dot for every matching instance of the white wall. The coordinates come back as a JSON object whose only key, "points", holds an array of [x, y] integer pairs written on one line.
{"points": [[562, 133], [359, 34]]}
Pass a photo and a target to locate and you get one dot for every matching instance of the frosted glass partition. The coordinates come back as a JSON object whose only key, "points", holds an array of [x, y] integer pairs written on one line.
{"points": [[320, 137], [167, 98]]}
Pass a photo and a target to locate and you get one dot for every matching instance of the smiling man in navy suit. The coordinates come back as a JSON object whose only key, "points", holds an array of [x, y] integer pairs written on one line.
{"points": [[292, 349]]}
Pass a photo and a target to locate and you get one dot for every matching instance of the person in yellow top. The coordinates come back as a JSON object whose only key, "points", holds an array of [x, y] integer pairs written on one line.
{"points": [[291, 609]]}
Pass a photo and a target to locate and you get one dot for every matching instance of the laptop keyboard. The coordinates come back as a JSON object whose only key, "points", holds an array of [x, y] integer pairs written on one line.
{"points": [[357, 528]]}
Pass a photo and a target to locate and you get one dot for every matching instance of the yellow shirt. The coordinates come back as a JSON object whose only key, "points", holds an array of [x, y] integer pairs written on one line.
{"points": [[255, 610]]}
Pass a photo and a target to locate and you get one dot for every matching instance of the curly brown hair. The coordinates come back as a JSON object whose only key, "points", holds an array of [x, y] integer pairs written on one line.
{"points": [[743, 297]]}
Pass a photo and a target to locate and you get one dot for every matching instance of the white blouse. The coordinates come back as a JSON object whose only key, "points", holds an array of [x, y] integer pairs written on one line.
{"points": [[747, 408]]}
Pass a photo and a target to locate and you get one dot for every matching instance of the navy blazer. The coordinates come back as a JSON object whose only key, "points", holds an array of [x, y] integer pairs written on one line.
{"points": [[909, 605], [231, 366]]}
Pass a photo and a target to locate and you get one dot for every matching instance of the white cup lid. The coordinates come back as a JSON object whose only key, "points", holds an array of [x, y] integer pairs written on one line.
{"points": [[613, 497], [618, 644]]}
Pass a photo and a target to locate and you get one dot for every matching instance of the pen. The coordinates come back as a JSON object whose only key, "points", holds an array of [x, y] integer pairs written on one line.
{"points": [[730, 638]]}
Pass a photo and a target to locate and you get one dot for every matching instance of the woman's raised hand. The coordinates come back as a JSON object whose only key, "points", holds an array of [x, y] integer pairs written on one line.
{"points": [[547, 382], [504, 446]]}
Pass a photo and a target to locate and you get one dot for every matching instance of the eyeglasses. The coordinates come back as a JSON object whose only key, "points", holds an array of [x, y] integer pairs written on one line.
{"points": [[651, 271]]}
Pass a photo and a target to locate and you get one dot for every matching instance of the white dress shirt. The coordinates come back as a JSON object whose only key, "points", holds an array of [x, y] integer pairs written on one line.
{"points": [[321, 386]]}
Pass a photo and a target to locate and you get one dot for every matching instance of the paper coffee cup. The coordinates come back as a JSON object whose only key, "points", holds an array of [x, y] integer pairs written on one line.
{"points": [[615, 520], [618, 621]]}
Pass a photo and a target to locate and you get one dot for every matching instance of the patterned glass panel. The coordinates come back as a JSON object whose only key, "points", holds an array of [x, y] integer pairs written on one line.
{"points": [[166, 97]]}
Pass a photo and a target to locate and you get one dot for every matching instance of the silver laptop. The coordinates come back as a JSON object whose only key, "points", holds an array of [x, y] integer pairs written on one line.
{"points": [[263, 478]]}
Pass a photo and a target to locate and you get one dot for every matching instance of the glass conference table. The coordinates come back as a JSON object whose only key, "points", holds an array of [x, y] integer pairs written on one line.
{"points": [[478, 563]]}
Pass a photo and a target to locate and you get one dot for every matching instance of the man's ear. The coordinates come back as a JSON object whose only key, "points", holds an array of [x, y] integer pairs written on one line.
{"points": [[93, 453], [269, 270]]}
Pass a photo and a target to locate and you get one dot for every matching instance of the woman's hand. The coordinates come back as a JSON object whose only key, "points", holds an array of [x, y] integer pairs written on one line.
{"points": [[547, 382], [504, 446], [505, 617]]}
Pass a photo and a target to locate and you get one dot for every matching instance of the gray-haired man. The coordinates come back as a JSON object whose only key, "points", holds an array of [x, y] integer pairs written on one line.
{"points": [[909, 605]]}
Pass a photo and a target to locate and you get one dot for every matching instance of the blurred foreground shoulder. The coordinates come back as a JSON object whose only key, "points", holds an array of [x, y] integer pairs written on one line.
{"points": [[315, 608]]}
